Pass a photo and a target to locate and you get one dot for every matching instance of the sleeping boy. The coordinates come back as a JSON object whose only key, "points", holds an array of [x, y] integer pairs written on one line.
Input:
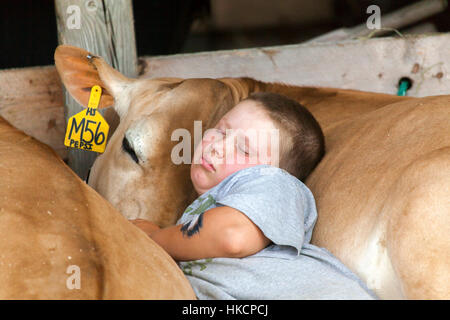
{"points": [[247, 235]]}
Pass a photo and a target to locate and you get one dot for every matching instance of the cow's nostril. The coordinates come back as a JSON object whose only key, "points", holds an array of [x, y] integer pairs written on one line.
{"points": [[128, 149]]}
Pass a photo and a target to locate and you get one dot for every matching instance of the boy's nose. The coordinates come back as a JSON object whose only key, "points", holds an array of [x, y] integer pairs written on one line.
{"points": [[214, 147], [217, 148]]}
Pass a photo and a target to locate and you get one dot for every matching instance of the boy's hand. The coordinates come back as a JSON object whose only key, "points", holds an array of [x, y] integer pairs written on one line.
{"points": [[145, 225]]}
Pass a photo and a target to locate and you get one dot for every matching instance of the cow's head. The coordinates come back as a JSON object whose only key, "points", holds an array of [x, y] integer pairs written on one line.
{"points": [[136, 173]]}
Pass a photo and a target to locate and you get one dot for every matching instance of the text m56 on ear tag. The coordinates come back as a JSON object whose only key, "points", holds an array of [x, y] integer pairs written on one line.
{"points": [[88, 130]]}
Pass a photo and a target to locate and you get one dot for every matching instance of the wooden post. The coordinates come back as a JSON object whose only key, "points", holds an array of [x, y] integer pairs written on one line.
{"points": [[105, 28]]}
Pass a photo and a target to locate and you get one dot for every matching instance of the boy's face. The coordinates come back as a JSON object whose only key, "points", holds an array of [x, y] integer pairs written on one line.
{"points": [[244, 137]]}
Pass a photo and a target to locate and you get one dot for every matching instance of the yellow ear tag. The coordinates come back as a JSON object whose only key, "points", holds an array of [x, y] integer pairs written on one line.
{"points": [[88, 130]]}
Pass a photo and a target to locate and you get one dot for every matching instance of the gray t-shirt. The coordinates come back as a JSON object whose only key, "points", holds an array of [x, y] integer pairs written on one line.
{"points": [[290, 268]]}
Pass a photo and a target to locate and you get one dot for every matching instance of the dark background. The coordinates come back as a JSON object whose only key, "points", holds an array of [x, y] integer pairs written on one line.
{"points": [[28, 27]]}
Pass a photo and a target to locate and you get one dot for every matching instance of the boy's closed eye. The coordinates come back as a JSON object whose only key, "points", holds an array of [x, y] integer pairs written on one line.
{"points": [[242, 142]]}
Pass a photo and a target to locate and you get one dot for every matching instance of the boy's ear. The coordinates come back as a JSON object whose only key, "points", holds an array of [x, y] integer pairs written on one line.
{"points": [[79, 70]]}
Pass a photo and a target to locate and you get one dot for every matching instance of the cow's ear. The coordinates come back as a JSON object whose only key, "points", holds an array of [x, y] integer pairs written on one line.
{"points": [[80, 70]]}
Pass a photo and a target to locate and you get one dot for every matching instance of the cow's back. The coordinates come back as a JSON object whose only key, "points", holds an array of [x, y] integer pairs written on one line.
{"points": [[53, 225], [380, 173]]}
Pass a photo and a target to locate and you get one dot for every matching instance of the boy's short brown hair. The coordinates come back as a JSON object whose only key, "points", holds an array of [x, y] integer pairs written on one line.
{"points": [[302, 144]]}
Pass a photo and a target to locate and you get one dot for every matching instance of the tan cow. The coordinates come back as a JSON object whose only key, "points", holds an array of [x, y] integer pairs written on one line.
{"points": [[59, 239], [382, 189]]}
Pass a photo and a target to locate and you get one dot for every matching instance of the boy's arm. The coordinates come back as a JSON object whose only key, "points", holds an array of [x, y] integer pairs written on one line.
{"points": [[225, 232]]}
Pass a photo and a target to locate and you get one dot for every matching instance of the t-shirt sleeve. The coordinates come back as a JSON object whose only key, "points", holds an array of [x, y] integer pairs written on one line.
{"points": [[274, 202]]}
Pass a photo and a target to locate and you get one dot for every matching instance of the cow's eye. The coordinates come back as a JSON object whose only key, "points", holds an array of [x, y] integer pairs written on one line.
{"points": [[128, 149]]}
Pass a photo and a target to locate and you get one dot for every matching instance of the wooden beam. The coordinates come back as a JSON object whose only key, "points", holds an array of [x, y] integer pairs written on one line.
{"points": [[394, 20], [374, 65], [105, 28]]}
